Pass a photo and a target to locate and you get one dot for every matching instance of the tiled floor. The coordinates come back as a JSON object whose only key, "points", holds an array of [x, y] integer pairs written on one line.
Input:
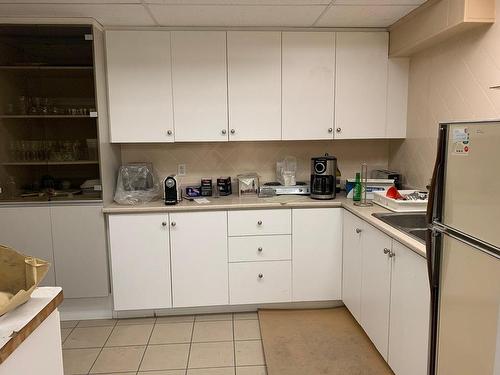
{"points": [[215, 344]]}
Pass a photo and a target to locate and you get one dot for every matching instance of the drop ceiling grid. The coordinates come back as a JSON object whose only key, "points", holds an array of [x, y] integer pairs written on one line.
{"points": [[219, 13]]}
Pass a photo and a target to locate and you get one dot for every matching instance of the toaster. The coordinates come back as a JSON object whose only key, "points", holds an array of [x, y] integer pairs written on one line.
{"points": [[171, 190]]}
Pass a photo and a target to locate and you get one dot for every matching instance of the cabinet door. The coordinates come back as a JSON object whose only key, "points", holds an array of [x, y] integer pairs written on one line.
{"points": [[361, 84], [317, 254], [397, 97], [200, 85], [140, 261], [81, 260], [139, 86], [28, 231], [351, 254], [308, 85], [254, 83], [376, 287], [409, 326], [199, 258]]}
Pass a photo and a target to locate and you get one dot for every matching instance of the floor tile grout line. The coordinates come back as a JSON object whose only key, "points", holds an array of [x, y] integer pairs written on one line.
{"points": [[190, 346], [100, 351], [147, 345]]}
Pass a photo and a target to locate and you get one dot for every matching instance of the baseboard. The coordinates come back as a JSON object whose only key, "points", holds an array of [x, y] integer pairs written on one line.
{"points": [[86, 308]]}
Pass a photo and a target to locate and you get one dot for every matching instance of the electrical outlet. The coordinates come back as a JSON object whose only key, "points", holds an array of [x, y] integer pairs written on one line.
{"points": [[181, 169]]}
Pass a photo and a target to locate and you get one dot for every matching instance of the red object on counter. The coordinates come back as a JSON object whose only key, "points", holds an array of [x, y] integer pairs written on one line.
{"points": [[393, 193]]}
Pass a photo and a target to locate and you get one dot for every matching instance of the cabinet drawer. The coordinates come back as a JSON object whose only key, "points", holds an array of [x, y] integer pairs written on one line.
{"points": [[260, 282], [260, 248], [259, 222]]}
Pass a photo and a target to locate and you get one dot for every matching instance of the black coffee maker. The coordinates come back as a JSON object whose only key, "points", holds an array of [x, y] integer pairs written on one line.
{"points": [[323, 178]]}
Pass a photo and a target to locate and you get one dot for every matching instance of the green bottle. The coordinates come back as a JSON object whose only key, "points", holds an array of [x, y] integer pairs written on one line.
{"points": [[356, 196]]}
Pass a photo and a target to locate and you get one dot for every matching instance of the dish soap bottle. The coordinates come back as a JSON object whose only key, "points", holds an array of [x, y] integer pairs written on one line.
{"points": [[356, 196]]}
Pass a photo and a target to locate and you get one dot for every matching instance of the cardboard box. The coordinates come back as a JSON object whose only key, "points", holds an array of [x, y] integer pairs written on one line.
{"points": [[19, 276]]}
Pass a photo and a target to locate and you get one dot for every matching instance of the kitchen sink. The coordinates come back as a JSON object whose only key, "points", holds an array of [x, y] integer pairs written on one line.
{"points": [[412, 223]]}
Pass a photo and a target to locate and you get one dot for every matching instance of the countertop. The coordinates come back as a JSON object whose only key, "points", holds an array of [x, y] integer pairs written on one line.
{"points": [[235, 203], [18, 324]]}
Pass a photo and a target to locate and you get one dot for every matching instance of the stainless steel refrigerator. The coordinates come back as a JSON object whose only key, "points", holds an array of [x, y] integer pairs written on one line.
{"points": [[463, 247]]}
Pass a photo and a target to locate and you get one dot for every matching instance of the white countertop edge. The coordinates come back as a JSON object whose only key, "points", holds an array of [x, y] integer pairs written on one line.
{"points": [[236, 203]]}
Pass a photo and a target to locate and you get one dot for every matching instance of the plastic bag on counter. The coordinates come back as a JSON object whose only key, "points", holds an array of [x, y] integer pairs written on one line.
{"points": [[137, 183], [286, 170]]}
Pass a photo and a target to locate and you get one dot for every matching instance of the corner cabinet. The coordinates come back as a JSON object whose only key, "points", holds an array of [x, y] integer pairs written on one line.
{"points": [[386, 289], [139, 86], [317, 254], [140, 261]]}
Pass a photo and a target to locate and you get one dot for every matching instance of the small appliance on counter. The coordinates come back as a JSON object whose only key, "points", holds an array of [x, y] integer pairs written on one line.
{"points": [[323, 177], [388, 175], [171, 190], [270, 189], [248, 184]]}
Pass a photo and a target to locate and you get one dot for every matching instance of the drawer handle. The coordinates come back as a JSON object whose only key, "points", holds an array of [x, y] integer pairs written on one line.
{"points": [[259, 249], [387, 251], [164, 223], [173, 223], [358, 231], [392, 254], [259, 222], [261, 276]]}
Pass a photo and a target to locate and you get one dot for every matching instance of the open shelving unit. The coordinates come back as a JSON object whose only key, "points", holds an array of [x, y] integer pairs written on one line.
{"points": [[48, 116]]}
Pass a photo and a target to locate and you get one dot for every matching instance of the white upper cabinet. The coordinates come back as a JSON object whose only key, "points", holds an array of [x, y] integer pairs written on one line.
{"points": [[308, 85], [317, 254], [254, 83], [139, 86], [199, 76], [361, 84]]}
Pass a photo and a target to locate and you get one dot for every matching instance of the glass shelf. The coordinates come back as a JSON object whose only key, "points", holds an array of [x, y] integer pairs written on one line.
{"points": [[74, 162], [48, 116]]}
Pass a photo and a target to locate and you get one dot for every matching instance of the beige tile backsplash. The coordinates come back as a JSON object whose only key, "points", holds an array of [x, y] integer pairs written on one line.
{"points": [[231, 158], [447, 82]]}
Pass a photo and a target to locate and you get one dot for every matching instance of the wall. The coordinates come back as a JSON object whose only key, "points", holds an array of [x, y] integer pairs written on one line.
{"points": [[232, 158], [448, 82]]}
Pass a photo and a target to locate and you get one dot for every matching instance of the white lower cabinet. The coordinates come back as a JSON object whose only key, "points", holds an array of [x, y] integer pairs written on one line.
{"points": [[260, 248], [376, 287], [410, 299], [199, 258], [385, 286], [140, 261], [79, 242], [28, 230], [351, 263], [317, 254], [260, 282]]}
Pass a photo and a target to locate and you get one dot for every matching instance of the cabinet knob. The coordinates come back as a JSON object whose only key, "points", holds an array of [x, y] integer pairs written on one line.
{"points": [[164, 223], [387, 251], [330, 130], [169, 132], [339, 130], [259, 222], [233, 131], [173, 223], [259, 249], [358, 230], [223, 131], [392, 254], [261, 276]]}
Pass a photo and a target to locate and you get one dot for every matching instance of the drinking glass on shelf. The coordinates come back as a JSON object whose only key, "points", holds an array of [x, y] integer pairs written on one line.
{"points": [[44, 106], [22, 104]]}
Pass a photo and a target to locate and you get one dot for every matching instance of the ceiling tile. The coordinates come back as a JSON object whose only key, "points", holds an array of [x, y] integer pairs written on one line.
{"points": [[239, 2], [106, 14], [235, 15], [378, 2], [363, 16]]}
